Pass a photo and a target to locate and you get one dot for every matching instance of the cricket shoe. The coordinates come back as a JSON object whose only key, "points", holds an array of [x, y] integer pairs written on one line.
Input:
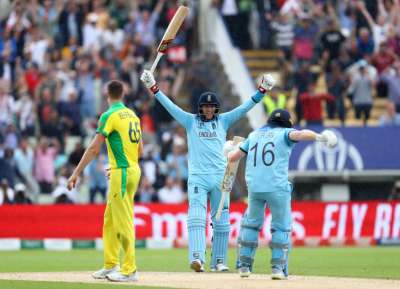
{"points": [[119, 277], [102, 273], [220, 268], [277, 274], [197, 265], [244, 272]]}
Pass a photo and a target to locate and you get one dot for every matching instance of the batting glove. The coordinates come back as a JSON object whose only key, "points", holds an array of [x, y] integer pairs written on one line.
{"points": [[267, 83], [328, 137], [148, 80], [228, 147]]}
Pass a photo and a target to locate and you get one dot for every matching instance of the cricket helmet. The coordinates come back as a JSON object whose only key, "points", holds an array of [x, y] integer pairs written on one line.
{"points": [[280, 117], [208, 98]]}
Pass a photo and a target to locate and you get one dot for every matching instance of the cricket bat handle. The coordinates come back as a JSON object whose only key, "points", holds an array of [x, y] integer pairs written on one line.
{"points": [[221, 205], [156, 61]]}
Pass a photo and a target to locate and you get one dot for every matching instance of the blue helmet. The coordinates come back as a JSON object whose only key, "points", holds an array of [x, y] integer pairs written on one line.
{"points": [[209, 98], [280, 117]]}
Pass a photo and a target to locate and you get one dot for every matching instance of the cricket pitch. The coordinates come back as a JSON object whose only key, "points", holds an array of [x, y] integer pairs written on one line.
{"points": [[214, 280]]}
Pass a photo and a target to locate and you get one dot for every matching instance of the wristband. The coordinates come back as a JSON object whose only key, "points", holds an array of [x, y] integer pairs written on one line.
{"points": [[262, 89], [154, 89]]}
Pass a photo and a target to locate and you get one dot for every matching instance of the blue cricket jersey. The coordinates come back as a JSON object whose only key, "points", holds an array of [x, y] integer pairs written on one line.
{"points": [[207, 138], [268, 151]]}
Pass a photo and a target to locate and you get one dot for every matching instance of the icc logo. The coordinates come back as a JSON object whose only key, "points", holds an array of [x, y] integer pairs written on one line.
{"points": [[343, 156]]}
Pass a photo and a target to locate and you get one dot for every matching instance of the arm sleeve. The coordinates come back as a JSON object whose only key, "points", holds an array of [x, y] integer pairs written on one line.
{"points": [[105, 125], [181, 116], [230, 117], [244, 147], [288, 141]]}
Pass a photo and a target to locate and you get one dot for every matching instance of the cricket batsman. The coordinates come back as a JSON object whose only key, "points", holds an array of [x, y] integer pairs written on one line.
{"points": [[206, 133], [268, 151], [120, 128]]}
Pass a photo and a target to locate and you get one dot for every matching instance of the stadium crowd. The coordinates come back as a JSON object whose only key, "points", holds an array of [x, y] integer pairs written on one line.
{"points": [[56, 58], [351, 47]]}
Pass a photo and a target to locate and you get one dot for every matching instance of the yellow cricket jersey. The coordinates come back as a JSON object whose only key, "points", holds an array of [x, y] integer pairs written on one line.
{"points": [[121, 127]]}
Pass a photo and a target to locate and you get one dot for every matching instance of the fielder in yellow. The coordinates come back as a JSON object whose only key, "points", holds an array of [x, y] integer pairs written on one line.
{"points": [[120, 128]]}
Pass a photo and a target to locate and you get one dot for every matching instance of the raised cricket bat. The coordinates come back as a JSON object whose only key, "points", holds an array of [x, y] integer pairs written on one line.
{"points": [[170, 34], [229, 178]]}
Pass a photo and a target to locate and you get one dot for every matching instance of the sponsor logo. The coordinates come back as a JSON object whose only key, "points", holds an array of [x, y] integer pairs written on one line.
{"points": [[207, 134]]}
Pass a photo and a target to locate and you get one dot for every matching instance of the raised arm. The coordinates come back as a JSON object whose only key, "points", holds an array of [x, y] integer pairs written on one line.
{"points": [[327, 136], [181, 116], [230, 117], [361, 6]]}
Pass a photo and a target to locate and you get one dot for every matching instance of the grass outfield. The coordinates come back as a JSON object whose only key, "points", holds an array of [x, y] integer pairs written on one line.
{"points": [[374, 262]]}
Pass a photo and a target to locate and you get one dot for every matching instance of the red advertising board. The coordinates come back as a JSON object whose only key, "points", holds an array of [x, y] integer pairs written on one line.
{"points": [[351, 220]]}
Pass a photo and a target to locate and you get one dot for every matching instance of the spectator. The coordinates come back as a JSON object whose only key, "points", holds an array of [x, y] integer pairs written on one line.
{"points": [[7, 167], [32, 77], [86, 89], [365, 43], [384, 58], [114, 36], [266, 9], [61, 194], [25, 111], [7, 106], [275, 99], [302, 79], [392, 80], [146, 24], [70, 23], [11, 138], [6, 193], [76, 154], [70, 114], [92, 34], [177, 162], [311, 102], [361, 88], [24, 160], [230, 14], [45, 155], [172, 192], [332, 40], [303, 45], [379, 28], [47, 18], [96, 173], [119, 12], [336, 87], [347, 16], [283, 29], [390, 118], [146, 192], [20, 197], [37, 47]]}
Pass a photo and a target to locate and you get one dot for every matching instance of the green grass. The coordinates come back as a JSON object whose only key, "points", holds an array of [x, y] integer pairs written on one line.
{"points": [[374, 262]]}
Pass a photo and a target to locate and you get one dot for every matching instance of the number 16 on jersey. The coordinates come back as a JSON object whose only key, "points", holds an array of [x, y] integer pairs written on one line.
{"points": [[229, 178]]}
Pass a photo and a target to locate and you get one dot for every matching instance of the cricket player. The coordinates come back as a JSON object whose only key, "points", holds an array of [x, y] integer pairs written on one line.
{"points": [[206, 132], [120, 128], [268, 150]]}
